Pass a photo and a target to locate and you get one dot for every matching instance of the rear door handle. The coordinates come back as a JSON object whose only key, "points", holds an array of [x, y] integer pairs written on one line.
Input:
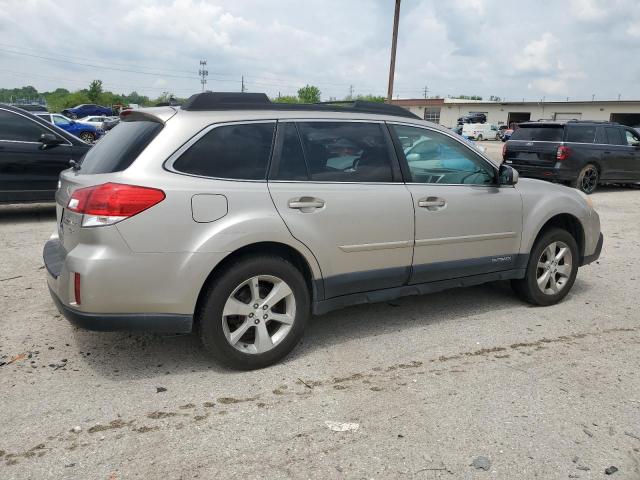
{"points": [[306, 203], [432, 203]]}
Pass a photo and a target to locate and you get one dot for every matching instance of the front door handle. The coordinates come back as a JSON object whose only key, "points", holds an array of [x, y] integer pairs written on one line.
{"points": [[432, 203], [306, 204]]}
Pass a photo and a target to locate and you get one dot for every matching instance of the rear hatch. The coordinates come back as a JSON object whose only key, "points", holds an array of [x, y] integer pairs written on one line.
{"points": [[102, 164], [534, 144]]}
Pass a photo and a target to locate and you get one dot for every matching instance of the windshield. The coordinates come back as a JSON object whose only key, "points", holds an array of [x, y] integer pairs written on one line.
{"points": [[117, 151], [548, 133]]}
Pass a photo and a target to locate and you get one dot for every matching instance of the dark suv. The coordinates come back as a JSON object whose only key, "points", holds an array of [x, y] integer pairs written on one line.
{"points": [[580, 153], [473, 118]]}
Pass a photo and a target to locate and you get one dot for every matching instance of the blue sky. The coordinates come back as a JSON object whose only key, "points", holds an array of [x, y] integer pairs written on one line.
{"points": [[524, 49]]}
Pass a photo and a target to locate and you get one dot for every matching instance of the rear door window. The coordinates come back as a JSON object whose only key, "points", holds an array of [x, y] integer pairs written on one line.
{"points": [[547, 133], [346, 151], [581, 134], [238, 152], [117, 151], [614, 136]]}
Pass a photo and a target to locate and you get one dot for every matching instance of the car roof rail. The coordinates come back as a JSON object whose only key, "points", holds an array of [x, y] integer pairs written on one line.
{"points": [[260, 101]]}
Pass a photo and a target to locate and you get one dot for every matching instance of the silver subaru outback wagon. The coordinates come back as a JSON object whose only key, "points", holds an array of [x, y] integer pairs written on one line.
{"points": [[238, 218]]}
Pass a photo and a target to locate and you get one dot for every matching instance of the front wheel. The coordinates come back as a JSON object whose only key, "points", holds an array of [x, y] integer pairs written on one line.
{"points": [[255, 312], [587, 180], [88, 137], [552, 269]]}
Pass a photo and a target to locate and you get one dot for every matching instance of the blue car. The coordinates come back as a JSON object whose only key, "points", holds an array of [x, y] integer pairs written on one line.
{"points": [[88, 109], [86, 132]]}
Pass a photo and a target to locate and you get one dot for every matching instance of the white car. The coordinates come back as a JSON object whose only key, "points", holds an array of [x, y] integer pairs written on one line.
{"points": [[94, 120], [480, 131]]}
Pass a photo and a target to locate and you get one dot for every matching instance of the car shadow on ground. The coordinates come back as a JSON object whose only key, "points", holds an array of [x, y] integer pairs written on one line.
{"points": [[127, 356], [28, 212]]}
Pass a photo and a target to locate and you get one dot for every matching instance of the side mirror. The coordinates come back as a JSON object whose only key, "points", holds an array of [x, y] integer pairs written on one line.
{"points": [[49, 140], [507, 175], [413, 157], [636, 145]]}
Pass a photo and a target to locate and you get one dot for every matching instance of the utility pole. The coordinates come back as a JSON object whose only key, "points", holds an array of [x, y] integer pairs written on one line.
{"points": [[619, 96], [394, 43], [425, 91], [242, 89], [203, 72], [350, 92], [593, 97]]}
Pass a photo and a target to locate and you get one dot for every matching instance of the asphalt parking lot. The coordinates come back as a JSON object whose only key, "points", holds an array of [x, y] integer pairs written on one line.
{"points": [[422, 386]]}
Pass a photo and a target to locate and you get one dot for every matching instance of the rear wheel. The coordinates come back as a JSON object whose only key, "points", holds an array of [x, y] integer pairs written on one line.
{"points": [[552, 269], [87, 137], [480, 138], [587, 180], [255, 312]]}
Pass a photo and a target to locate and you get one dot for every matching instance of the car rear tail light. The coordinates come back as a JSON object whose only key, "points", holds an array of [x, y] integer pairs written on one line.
{"points": [[76, 288], [562, 153], [504, 151], [109, 203]]}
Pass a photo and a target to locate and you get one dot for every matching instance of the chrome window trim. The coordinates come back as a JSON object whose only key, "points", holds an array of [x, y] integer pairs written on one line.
{"points": [[43, 126], [168, 163]]}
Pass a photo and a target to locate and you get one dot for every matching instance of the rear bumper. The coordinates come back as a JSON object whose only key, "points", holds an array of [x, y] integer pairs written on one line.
{"points": [[595, 255], [542, 172], [132, 322]]}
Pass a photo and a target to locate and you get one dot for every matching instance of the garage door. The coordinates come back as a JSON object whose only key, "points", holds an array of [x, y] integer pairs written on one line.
{"points": [[567, 116]]}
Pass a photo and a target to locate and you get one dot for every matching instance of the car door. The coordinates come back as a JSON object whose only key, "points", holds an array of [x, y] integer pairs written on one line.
{"points": [[337, 186], [28, 171], [465, 224]]}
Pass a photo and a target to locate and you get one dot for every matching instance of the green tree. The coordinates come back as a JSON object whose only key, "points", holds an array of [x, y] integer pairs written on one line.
{"points": [[372, 98], [309, 94], [95, 90], [286, 99]]}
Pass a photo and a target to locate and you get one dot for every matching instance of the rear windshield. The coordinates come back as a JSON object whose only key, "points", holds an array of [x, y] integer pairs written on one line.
{"points": [[551, 133], [119, 147]]}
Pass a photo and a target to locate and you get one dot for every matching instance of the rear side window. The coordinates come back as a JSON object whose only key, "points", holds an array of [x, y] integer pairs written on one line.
{"points": [[117, 151], [346, 151], [551, 133], [581, 134], [18, 128], [631, 137], [614, 136], [239, 152]]}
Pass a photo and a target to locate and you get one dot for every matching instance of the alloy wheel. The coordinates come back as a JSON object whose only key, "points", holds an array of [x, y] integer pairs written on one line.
{"points": [[258, 314], [589, 180], [554, 268]]}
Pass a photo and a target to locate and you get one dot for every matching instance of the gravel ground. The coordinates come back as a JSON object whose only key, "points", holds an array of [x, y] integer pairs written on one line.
{"points": [[432, 383]]}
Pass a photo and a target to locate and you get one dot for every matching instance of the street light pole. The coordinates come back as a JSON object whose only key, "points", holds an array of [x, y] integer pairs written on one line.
{"points": [[394, 42]]}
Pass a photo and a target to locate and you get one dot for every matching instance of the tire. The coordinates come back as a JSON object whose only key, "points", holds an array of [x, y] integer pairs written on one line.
{"points": [[563, 273], [587, 180], [88, 137], [480, 138], [258, 342]]}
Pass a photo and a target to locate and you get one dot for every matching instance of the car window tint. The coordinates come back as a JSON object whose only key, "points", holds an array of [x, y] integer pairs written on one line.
{"points": [[539, 133], [433, 157], [292, 165], [581, 134], [632, 138], [238, 152], [60, 120], [614, 136], [120, 148], [18, 128], [346, 151]]}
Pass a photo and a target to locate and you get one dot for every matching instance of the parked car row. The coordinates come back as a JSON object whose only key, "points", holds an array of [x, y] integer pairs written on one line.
{"points": [[580, 153]]}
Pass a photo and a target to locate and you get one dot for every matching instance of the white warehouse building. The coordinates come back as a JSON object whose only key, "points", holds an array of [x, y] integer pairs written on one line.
{"points": [[446, 111]]}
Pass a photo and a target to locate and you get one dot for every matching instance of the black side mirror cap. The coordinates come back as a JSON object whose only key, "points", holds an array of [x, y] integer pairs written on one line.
{"points": [[507, 175], [49, 140]]}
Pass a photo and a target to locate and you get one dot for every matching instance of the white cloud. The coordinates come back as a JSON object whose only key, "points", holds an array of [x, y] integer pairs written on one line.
{"points": [[538, 55]]}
